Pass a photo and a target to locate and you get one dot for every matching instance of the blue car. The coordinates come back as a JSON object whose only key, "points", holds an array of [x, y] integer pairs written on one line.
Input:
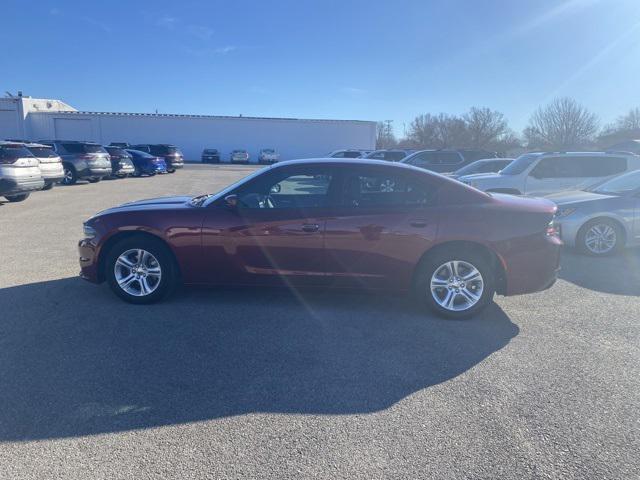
{"points": [[146, 164]]}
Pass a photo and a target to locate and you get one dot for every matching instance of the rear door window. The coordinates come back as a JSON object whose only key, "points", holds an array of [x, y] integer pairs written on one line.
{"points": [[383, 189]]}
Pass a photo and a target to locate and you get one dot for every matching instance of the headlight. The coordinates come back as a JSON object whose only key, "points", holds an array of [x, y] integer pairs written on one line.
{"points": [[564, 212], [89, 232]]}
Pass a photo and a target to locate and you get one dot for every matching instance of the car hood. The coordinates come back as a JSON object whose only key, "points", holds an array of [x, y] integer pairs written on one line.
{"points": [[164, 203], [575, 197]]}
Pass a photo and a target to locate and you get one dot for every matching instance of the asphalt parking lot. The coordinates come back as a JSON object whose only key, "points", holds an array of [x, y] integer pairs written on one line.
{"points": [[240, 383]]}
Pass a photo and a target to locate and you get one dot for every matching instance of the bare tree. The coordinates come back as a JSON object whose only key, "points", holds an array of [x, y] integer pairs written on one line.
{"points": [[484, 126], [437, 131], [629, 122], [385, 138], [561, 125]]}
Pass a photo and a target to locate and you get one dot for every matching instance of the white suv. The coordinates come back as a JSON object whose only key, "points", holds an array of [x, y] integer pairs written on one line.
{"points": [[551, 172]]}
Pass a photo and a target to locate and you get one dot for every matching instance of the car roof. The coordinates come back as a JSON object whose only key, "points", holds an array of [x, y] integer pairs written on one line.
{"points": [[348, 161]]}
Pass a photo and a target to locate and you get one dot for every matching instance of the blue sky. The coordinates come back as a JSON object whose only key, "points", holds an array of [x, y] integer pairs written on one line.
{"points": [[371, 60]]}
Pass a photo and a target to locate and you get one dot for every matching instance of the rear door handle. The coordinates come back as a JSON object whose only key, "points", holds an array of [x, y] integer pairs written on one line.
{"points": [[418, 223], [310, 227]]}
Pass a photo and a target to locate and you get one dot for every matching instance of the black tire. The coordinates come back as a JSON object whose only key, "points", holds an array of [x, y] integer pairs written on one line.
{"points": [[94, 179], [17, 198], [165, 259], [47, 186], [433, 263], [70, 175], [581, 239]]}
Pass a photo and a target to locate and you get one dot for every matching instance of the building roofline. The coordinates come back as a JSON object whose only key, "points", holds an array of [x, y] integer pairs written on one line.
{"points": [[178, 115]]}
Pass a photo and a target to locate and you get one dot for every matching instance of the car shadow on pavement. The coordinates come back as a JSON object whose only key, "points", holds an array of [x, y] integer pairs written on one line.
{"points": [[74, 360], [618, 274]]}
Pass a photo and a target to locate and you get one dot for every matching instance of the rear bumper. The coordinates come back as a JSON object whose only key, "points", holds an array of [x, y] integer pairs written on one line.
{"points": [[126, 170], [533, 267], [52, 172], [210, 159], [12, 186], [95, 172]]}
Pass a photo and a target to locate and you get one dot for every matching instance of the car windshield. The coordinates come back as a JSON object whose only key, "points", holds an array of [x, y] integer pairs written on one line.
{"points": [[268, 150], [621, 185], [469, 169], [520, 164]]}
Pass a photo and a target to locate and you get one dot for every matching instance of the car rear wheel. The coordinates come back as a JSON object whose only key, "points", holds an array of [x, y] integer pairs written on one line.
{"points": [[455, 283], [140, 270], [70, 175], [600, 237], [48, 186], [17, 198]]}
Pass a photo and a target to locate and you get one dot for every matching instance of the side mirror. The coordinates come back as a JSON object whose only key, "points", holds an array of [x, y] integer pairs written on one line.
{"points": [[231, 201]]}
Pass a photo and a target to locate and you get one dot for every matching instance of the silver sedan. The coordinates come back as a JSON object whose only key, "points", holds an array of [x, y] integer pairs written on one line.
{"points": [[603, 219]]}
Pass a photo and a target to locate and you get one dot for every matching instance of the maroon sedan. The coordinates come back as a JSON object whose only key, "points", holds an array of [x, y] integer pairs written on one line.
{"points": [[330, 222]]}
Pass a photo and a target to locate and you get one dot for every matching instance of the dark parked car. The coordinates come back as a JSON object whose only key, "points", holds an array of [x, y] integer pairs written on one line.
{"points": [[486, 165], [210, 155], [171, 154], [81, 160], [120, 144], [329, 222], [121, 163], [446, 161], [146, 164], [388, 155]]}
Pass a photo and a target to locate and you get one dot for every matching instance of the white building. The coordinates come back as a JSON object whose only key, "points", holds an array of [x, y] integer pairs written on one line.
{"points": [[36, 119]]}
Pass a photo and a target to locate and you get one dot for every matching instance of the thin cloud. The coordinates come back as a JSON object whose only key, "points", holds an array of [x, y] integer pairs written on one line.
{"points": [[201, 32], [167, 21], [353, 90], [225, 50], [92, 21]]}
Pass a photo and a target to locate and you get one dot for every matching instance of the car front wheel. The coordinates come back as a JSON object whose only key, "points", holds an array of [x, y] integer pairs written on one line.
{"points": [[140, 270], [455, 283]]}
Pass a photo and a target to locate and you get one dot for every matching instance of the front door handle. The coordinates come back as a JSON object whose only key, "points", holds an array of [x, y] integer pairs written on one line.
{"points": [[310, 227]]}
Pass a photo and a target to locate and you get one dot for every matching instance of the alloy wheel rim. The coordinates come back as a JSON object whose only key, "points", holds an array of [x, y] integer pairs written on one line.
{"points": [[456, 285], [601, 238], [68, 175], [137, 272]]}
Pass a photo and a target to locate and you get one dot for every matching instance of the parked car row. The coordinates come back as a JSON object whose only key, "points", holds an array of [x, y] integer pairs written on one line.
{"points": [[27, 166], [265, 155]]}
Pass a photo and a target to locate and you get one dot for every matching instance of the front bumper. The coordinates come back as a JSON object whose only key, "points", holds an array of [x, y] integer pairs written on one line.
{"points": [[88, 261], [239, 159]]}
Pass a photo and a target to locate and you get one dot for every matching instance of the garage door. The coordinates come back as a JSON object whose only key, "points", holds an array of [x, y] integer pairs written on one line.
{"points": [[8, 124], [73, 129]]}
